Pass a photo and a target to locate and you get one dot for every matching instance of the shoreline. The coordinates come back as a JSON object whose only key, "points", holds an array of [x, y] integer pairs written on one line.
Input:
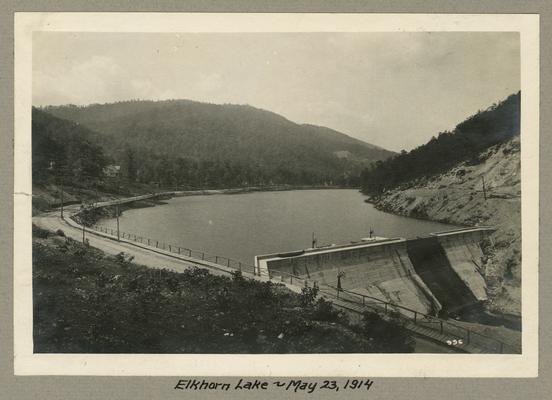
{"points": [[253, 189], [373, 202], [99, 212]]}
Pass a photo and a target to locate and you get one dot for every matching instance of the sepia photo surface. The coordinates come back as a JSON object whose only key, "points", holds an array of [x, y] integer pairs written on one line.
{"points": [[276, 194]]}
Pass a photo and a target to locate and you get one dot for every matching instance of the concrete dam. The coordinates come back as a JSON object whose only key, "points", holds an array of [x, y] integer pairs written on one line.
{"points": [[428, 274]]}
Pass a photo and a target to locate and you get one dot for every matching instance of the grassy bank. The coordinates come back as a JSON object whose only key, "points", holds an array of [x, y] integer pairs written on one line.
{"points": [[85, 301]]}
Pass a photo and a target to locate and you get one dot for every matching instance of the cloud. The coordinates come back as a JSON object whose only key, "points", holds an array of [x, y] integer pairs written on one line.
{"points": [[98, 79], [395, 90], [209, 83]]}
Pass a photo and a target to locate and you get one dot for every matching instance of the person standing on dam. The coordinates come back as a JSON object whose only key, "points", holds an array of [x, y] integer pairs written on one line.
{"points": [[339, 275]]}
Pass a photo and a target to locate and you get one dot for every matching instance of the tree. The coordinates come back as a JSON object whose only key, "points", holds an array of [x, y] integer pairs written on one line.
{"points": [[130, 156]]}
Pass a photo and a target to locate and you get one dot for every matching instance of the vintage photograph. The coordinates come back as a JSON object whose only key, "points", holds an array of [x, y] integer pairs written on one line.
{"points": [[271, 193]]}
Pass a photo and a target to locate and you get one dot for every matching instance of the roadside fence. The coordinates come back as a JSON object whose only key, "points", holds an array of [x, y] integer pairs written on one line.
{"points": [[175, 249]]}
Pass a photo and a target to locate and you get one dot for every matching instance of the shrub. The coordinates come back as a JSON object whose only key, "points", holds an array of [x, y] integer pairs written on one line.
{"points": [[390, 335], [324, 311], [237, 276], [39, 232], [123, 259], [308, 295]]}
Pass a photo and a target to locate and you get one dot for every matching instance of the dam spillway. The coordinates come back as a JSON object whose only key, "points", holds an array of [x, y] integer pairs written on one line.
{"points": [[433, 266], [441, 271]]}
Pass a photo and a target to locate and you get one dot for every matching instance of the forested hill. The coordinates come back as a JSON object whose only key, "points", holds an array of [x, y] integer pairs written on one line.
{"points": [[200, 144], [495, 125], [61, 147]]}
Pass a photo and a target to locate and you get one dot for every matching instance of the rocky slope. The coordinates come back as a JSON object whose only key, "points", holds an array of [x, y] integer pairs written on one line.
{"points": [[457, 197]]}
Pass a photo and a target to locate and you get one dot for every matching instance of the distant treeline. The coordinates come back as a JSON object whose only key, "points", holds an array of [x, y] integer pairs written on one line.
{"points": [[146, 166], [68, 149], [193, 144], [494, 125]]}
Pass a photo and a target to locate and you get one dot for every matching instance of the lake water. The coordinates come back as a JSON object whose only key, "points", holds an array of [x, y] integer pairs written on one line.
{"points": [[240, 226]]}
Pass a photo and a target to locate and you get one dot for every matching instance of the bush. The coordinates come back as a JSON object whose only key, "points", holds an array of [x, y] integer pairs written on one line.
{"points": [[39, 232], [59, 232], [308, 295], [124, 260], [389, 334], [237, 276], [325, 311]]}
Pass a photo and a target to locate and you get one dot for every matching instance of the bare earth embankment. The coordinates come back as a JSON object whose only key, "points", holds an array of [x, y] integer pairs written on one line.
{"points": [[457, 197]]}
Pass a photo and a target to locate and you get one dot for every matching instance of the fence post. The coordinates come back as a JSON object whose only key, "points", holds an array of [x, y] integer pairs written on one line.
{"points": [[203, 256], [239, 267], [148, 242], [190, 251], [386, 308], [156, 243], [468, 336], [228, 264], [363, 301], [179, 250], [501, 347], [441, 326], [216, 259], [415, 318], [170, 248]]}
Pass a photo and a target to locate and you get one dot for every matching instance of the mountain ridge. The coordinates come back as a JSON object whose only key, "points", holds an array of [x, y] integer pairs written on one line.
{"points": [[67, 112], [263, 145]]}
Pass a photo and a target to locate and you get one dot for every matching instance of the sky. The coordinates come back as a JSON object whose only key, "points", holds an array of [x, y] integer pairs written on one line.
{"points": [[394, 90]]}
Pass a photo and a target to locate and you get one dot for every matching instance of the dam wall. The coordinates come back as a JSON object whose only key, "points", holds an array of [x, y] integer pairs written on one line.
{"points": [[440, 271], [380, 269]]}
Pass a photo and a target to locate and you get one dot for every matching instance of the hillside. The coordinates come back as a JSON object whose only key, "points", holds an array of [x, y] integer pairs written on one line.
{"points": [[86, 301], [487, 128], [60, 145], [457, 196], [181, 142]]}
